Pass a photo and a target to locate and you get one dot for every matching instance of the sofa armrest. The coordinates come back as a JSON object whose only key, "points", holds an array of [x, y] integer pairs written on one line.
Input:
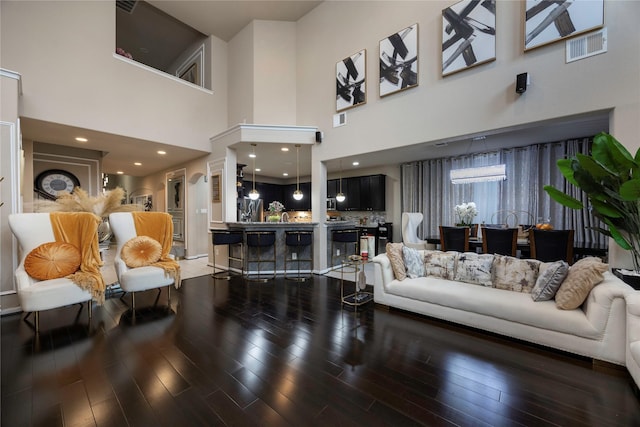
{"points": [[604, 298], [386, 271], [633, 317]]}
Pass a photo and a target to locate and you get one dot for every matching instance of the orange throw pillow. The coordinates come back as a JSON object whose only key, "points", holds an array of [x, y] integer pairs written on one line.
{"points": [[141, 251], [52, 260]]}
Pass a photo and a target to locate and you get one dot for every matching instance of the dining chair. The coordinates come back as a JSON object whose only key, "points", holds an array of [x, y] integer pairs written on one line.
{"points": [[454, 239], [551, 245], [501, 241]]}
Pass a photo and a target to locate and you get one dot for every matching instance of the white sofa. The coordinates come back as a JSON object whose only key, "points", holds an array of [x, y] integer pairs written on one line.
{"points": [[596, 329], [633, 336]]}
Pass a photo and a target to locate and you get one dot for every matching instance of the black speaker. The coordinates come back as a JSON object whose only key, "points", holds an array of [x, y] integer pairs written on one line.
{"points": [[319, 136], [521, 83]]}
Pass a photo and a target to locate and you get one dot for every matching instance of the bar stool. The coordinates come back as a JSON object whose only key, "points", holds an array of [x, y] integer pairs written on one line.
{"points": [[342, 240], [228, 238], [295, 242], [260, 241]]}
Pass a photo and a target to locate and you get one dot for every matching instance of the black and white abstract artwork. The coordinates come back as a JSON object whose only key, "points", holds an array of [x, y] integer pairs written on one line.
{"points": [[351, 81], [399, 61], [549, 21], [468, 35]]}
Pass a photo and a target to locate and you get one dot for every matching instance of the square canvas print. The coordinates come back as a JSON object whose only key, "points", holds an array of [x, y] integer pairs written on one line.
{"points": [[351, 81], [468, 35], [399, 61], [549, 21]]}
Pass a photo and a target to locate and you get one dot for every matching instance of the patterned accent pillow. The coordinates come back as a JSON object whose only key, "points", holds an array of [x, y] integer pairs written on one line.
{"points": [[52, 260], [582, 277], [513, 274], [413, 262], [394, 253], [440, 264], [141, 251], [550, 277], [474, 268]]}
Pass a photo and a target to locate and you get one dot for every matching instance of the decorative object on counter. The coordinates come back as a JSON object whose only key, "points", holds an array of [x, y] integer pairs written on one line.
{"points": [[275, 211], [609, 179], [466, 212], [298, 194], [253, 194]]}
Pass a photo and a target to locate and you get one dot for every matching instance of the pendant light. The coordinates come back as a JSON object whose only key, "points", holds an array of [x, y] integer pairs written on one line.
{"points": [[298, 194], [340, 197], [253, 194]]}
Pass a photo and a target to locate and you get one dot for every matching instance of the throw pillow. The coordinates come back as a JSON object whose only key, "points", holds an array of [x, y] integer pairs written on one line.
{"points": [[514, 274], [474, 268], [440, 264], [582, 277], [141, 251], [413, 262], [550, 277], [52, 260], [394, 253]]}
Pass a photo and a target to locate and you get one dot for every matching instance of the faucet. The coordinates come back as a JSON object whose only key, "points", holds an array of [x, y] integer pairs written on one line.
{"points": [[282, 218]]}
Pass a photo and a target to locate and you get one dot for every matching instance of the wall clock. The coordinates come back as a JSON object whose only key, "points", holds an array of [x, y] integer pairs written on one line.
{"points": [[51, 181]]}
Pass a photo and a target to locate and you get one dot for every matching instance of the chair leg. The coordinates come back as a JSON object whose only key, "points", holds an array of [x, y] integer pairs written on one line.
{"points": [[133, 301], [169, 295], [37, 320]]}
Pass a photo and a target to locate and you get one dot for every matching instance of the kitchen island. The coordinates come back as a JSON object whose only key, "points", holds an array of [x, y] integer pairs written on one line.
{"points": [[280, 228]]}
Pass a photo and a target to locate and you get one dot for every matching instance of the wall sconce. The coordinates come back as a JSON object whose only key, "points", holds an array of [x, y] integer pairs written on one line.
{"points": [[298, 194], [253, 194]]}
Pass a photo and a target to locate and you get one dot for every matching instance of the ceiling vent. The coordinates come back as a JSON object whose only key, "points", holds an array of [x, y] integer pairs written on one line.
{"points": [[126, 5], [588, 45]]}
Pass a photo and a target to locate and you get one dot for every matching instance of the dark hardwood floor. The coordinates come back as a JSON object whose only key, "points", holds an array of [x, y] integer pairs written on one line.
{"points": [[283, 353]]}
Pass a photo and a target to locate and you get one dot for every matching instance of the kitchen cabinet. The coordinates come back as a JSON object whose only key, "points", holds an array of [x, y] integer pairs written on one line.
{"points": [[333, 188], [292, 204], [363, 193]]}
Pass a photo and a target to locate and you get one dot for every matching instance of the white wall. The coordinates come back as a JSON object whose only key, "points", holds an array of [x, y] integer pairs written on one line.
{"points": [[64, 51], [475, 100]]}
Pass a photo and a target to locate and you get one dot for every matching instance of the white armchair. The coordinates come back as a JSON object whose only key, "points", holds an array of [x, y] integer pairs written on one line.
{"points": [[31, 231], [164, 272], [633, 336], [410, 223]]}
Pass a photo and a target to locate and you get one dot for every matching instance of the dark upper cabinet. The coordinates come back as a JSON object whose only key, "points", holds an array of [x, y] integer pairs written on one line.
{"points": [[363, 193], [333, 188]]}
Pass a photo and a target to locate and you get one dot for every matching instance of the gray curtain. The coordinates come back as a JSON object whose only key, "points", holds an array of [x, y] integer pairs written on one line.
{"points": [[520, 199]]}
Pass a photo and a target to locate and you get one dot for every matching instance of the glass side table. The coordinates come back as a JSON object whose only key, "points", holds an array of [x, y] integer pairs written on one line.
{"points": [[359, 296]]}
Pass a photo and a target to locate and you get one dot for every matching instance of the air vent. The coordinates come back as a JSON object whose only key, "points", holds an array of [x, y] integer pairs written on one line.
{"points": [[339, 119], [126, 5], [587, 45]]}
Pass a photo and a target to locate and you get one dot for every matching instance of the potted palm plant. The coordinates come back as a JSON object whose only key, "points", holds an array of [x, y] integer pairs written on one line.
{"points": [[610, 177]]}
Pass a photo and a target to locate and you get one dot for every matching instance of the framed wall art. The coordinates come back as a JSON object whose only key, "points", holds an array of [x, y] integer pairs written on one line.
{"points": [[399, 61], [549, 21], [351, 81], [468, 35]]}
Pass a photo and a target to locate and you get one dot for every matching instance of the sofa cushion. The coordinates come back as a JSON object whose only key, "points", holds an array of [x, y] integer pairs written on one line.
{"points": [[141, 251], [582, 277], [550, 277], [474, 268], [394, 253], [513, 274], [52, 260], [440, 264], [413, 262]]}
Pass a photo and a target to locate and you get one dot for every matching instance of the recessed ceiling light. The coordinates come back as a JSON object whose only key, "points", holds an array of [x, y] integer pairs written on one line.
{"points": [[355, 163], [285, 174], [144, 50], [138, 164], [252, 155], [161, 152], [120, 173], [284, 149], [258, 169], [81, 139]]}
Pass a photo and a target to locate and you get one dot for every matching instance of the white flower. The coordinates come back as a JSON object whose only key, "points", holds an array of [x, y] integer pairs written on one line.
{"points": [[466, 212], [276, 206]]}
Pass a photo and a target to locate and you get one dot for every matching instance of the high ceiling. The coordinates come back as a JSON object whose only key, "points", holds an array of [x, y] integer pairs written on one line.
{"points": [[225, 19]]}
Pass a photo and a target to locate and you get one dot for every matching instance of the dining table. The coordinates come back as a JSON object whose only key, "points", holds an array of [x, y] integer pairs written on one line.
{"points": [[580, 249]]}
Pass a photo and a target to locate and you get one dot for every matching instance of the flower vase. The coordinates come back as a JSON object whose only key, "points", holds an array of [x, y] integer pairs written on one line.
{"points": [[273, 218]]}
